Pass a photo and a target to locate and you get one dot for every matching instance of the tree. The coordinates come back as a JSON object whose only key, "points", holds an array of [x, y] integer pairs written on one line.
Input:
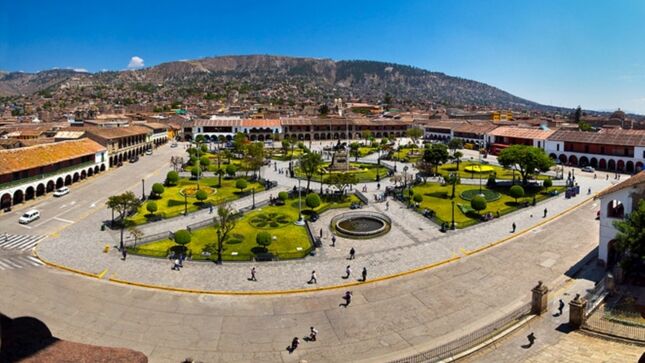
{"points": [[456, 157], [455, 143], [366, 134], [415, 133], [547, 183], [323, 110], [418, 198], [177, 162], [312, 201], [630, 239], [241, 184], [577, 115], [203, 148], [172, 178], [285, 146], [425, 169], [516, 192], [221, 139], [231, 170], [254, 157], [204, 161], [283, 196], [182, 237], [342, 180], [264, 239], [478, 203], [583, 126], [529, 159], [123, 204], [201, 195], [309, 165], [353, 150], [157, 189], [196, 171], [224, 224], [239, 143], [135, 233], [436, 154], [151, 207]]}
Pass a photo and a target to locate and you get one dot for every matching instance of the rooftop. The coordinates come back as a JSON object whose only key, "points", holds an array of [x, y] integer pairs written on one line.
{"points": [[521, 132], [606, 137], [631, 182]]}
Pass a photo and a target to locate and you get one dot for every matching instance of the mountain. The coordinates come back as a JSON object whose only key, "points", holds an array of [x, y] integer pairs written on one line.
{"points": [[277, 79]]}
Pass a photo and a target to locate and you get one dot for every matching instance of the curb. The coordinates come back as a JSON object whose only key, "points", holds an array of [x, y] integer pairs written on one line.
{"points": [[523, 232], [64, 268], [283, 292]]}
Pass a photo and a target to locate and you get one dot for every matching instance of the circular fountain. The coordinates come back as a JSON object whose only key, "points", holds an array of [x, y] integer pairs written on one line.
{"points": [[361, 224]]}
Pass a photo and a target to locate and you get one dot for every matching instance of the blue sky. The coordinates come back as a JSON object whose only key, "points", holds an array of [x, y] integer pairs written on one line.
{"points": [[560, 52]]}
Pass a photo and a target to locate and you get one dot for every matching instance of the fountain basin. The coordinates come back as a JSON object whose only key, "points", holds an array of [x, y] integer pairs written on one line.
{"points": [[361, 224]]}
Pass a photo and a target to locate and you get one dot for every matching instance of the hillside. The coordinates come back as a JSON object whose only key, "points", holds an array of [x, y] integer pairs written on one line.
{"points": [[275, 79]]}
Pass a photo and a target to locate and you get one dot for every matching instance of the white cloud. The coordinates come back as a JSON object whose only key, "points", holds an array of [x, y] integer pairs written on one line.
{"points": [[136, 62], [82, 70]]}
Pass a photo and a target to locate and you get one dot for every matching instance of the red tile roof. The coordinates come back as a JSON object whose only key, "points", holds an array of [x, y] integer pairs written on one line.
{"points": [[633, 181], [607, 137], [521, 132], [118, 132], [261, 123], [41, 155]]}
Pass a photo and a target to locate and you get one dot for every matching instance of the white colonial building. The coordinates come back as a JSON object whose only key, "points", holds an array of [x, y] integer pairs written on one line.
{"points": [[616, 203]]}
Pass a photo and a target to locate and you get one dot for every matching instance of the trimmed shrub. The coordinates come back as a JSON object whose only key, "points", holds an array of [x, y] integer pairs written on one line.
{"points": [[172, 178], [182, 237], [516, 192], [264, 239], [548, 183], [231, 170], [201, 195], [204, 161], [283, 196], [241, 184], [312, 200], [418, 198], [478, 203], [151, 207], [157, 189], [195, 171]]}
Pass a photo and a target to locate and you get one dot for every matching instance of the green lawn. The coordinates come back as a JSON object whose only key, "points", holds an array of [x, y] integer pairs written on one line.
{"points": [[436, 197], [501, 173], [366, 150], [171, 203], [365, 172], [407, 154], [291, 241], [279, 154]]}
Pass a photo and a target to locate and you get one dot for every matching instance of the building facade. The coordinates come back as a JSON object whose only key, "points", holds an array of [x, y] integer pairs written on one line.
{"points": [[122, 143]]}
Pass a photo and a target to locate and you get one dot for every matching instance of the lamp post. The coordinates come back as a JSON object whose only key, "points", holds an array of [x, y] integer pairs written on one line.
{"points": [[452, 224], [185, 205], [253, 193], [143, 189], [321, 182], [299, 222]]}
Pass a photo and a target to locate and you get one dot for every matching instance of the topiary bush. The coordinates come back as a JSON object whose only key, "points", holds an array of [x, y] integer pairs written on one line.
{"points": [[241, 184], [313, 200], [151, 207], [195, 171], [201, 195], [283, 196], [478, 203], [516, 192], [157, 190], [418, 198], [172, 178], [547, 183], [182, 237]]}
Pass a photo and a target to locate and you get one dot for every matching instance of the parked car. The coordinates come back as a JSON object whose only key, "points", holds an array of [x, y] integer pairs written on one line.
{"points": [[29, 216], [588, 169], [61, 191], [174, 144], [134, 159], [149, 152]]}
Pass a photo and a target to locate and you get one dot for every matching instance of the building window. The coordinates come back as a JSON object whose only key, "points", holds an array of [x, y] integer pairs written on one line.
{"points": [[615, 209], [557, 147]]}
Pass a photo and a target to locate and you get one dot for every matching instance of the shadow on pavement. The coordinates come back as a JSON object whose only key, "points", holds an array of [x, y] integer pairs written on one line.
{"points": [[29, 339]]}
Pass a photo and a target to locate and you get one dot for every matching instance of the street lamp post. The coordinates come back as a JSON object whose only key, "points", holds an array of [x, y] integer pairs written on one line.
{"points": [[185, 204], [452, 224], [300, 222], [253, 192], [143, 189]]}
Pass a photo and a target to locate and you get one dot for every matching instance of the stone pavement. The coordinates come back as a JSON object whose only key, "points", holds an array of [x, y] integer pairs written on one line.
{"points": [[386, 320], [580, 348]]}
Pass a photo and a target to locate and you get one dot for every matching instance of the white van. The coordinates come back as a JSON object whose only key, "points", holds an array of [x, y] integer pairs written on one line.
{"points": [[29, 216]]}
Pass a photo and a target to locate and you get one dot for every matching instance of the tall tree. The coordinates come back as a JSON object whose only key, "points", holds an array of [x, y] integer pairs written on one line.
{"points": [[529, 159], [455, 143], [577, 115], [224, 222], [354, 150], [436, 155], [366, 135], [630, 240], [122, 204], [415, 133], [310, 164], [254, 157]]}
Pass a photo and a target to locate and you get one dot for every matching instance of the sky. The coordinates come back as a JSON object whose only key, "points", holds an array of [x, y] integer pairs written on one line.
{"points": [[557, 52]]}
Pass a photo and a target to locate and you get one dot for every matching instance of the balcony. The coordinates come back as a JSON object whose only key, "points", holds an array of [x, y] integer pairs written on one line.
{"points": [[31, 179]]}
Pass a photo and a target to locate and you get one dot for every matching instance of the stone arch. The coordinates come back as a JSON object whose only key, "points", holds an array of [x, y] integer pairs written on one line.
{"points": [[594, 163], [68, 180], [620, 166], [615, 209], [254, 138], [553, 156], [83, 174], [102, 167], [379, 135], [60, 182], [584, 161], [90, 172], [573, 160], [51, 186], [563, 159], [602, 164], [639, 166], [30, 193], [629, 167], [342, 135], [18, 197], [5, 201], [75, 178], [336, 136], [611, 165], [96, 169], [40, 189], [307, 137]]}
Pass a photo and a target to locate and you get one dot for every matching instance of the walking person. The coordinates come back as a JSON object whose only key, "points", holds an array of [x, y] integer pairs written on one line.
{"points": [[513, 231], [253, 274], [348, 299], [545, 212], [352, 253], [181, 260], [378, 186], [321, 233], [176, 264], [387, 205], [313, 333], [125, 253], [333, 241], [294, 345], [364, 274], [531, 337], [210, 209], [348, 272], [313, 279]]}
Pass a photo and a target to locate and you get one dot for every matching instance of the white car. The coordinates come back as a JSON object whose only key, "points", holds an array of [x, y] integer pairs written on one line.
{"points": [[29, 216], [149, 152], [61, 191], [588, 169], [173, 145]]}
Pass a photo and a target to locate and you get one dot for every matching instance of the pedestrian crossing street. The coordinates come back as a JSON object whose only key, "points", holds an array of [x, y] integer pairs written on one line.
{"points": [[16, 262], [19, 242]]}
